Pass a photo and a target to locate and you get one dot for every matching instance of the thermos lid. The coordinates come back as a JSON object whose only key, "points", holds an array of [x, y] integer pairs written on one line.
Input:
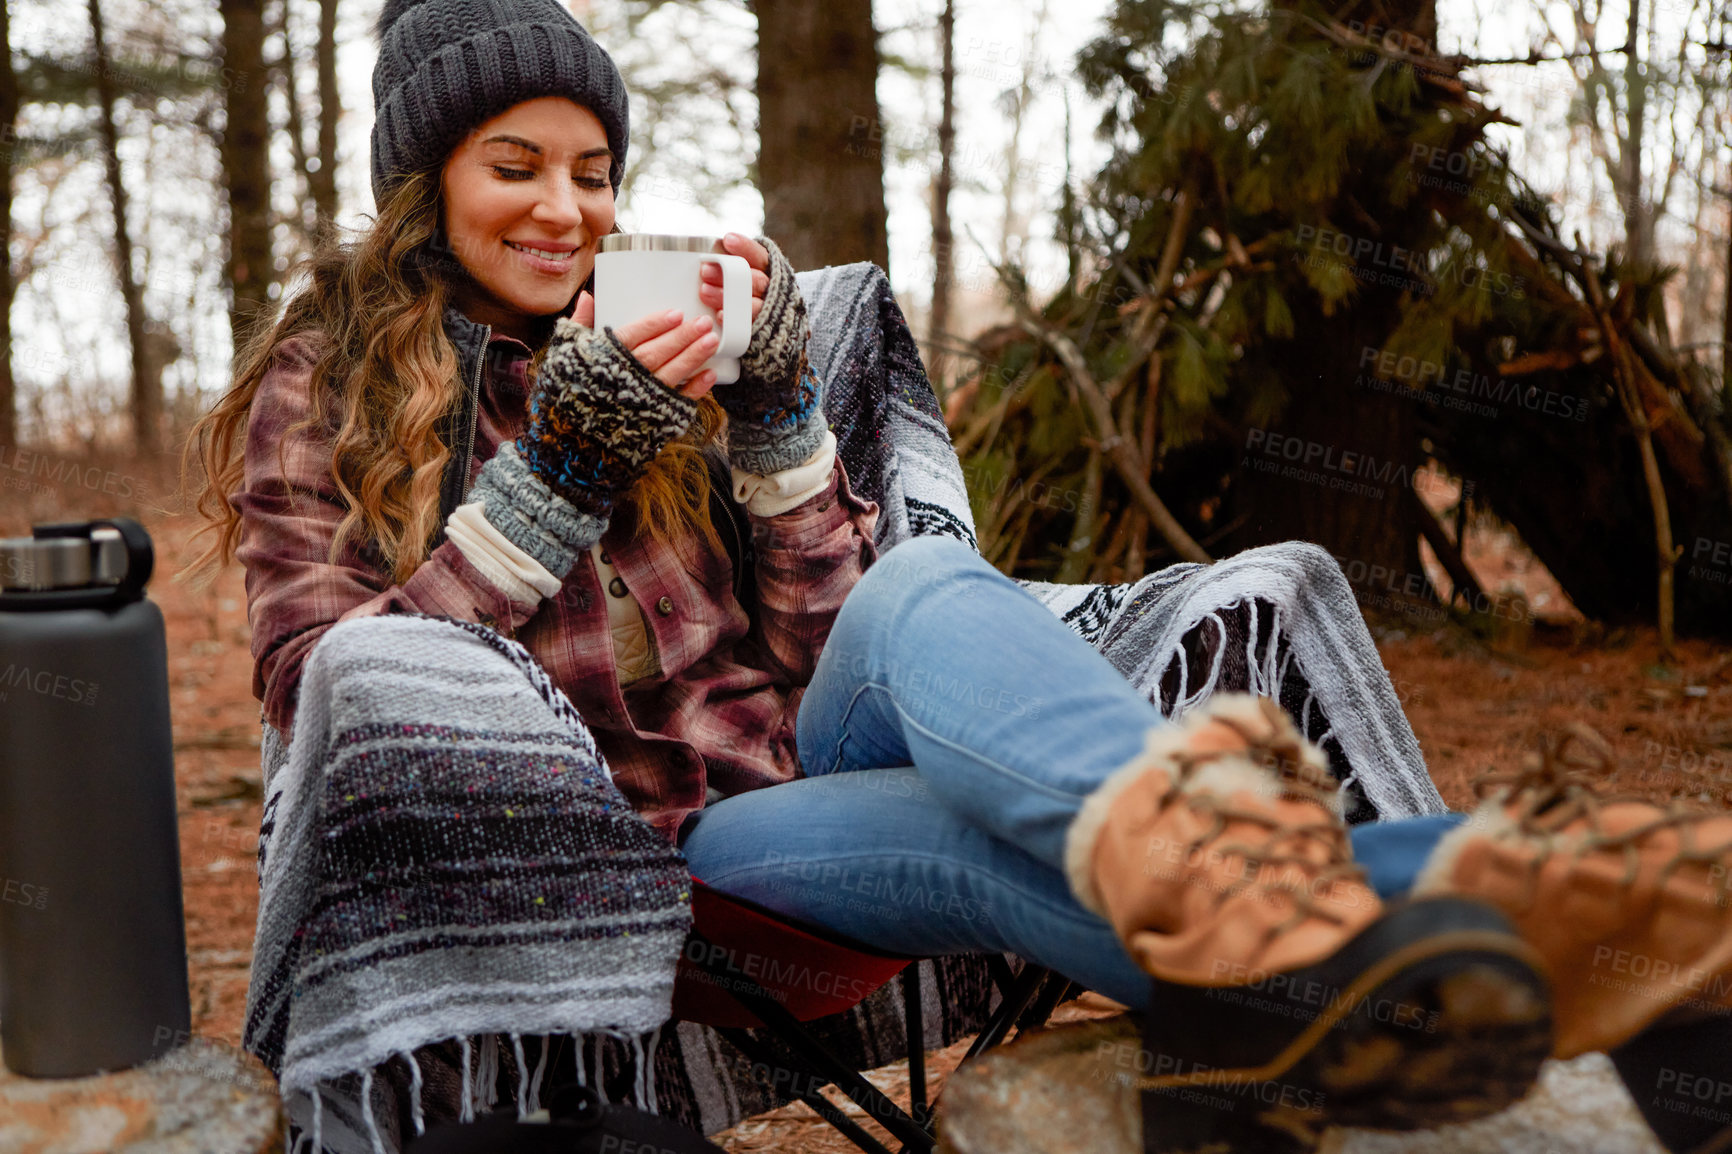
{"points": [[656, 242], [65, 564]]}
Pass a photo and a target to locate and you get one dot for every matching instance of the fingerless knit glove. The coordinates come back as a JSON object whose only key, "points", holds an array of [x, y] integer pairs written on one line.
{"points": [[597, 419], [775, 410]]}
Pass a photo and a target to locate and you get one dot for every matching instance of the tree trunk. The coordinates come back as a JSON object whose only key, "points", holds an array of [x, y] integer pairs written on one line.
{"points": [[1638, 219], [9, 119], [146, 400], [324, 177], [943, 239], [821, 144], [1017, 100], [283, 73], [246, 173]]}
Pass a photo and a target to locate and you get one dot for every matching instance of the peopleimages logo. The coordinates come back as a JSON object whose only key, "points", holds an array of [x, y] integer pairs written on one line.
{"points": [[1458, 390], [24, 894], [1403, 268], [64, 472], [781, 974], [1346, 470], [1149, 1064], [1711, 561], [1371, 582], [48, 684]]}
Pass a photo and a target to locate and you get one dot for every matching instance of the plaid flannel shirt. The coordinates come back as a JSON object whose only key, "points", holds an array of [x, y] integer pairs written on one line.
{"points": [[720, 711]]}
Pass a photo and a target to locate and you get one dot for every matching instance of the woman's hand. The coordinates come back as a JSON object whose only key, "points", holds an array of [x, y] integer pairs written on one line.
{"points": [[672, 346], [598, 415], [710, 292], [775, 411], [667, 344]]}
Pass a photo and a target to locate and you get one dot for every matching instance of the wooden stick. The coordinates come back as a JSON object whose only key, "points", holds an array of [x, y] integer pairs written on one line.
{"points": [[1120, 451], [1622, 373], [1086, 528], [1448, 555], [1159, 291]]}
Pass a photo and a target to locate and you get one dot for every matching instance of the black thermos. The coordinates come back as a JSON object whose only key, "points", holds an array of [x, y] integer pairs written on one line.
{"points": [[92, 939]]}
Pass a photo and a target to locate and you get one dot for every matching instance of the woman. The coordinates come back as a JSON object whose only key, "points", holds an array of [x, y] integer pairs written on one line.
{"points": [[1048, 809]]}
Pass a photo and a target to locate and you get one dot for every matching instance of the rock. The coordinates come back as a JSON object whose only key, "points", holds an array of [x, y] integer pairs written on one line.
{"points": [[1059, 1091], [1577, 1107], [202, 1098], [1051, 1091]]}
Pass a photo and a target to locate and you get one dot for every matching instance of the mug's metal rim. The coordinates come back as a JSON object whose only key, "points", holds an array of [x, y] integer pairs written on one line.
{"points": [[657, 242]]}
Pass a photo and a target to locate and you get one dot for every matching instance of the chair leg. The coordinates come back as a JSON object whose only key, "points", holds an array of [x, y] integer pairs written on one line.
{"points": [[843, 1124], [914, 1021], [1016, 1001], [1035, 1012], [822, 1068], [1051, 994], [1002, 975]]}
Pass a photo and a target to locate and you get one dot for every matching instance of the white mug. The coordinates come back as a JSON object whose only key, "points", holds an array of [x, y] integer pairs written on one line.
{"points": [[637, 274]]}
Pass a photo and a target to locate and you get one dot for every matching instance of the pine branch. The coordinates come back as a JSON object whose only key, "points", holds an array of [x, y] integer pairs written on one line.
{"points": [[1119, 450]]}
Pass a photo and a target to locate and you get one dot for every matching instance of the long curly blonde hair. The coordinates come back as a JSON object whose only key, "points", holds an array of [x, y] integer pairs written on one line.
{"points": [[374, 307]]}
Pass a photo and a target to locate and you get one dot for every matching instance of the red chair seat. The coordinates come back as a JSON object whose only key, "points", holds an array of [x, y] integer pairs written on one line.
{"points": [[810, 972]]}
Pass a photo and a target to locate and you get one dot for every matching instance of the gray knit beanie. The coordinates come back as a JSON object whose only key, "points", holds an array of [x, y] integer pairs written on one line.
{"points": [[446, 66]]}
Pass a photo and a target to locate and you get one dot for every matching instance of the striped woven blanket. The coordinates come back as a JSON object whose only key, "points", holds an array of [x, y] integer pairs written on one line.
{"points": [[443, 854]]}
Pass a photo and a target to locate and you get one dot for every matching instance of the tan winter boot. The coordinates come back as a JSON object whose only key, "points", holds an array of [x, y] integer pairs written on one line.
{"points": [[1627, 902], [1221, 846], [1285, 996]]}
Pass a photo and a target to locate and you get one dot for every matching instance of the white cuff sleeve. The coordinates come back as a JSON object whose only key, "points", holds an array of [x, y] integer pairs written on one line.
{"points": [[782, 490], [518, 575]]}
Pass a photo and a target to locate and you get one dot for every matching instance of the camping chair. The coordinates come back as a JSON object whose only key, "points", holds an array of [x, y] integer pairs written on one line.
{"points": [[756, 976]]}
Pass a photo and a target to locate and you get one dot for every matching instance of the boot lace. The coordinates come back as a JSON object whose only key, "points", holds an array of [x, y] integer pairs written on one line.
{"points": [[1279, 748], [1555, 797]]}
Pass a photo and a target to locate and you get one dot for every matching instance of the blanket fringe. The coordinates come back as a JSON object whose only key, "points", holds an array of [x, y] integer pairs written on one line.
{"points": [[1267, 664], [487, 1076], [367, 1111], [467, 1094], [415, 1093], [522, 1074], [600, 1069], [480, 1082], [535, 1084], [638, 1092]]}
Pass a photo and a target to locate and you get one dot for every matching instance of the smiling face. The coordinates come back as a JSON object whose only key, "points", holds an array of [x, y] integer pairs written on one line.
{"points": [[526, 203]]}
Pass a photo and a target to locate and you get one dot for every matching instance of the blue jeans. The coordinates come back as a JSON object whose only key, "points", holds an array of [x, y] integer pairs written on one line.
{"points": [[951, 731]]}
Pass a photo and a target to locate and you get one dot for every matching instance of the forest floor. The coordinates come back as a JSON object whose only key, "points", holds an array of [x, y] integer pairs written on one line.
{"points": [[1476, 703]]}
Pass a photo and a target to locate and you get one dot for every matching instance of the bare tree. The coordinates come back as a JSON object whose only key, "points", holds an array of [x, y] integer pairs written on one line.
{"points": [[690, 68], [821, 142], [245, 162], [323, 179], [316, 166], [943, 239], [1622, 113], [285, 79], [1015, 103], [146, 402]]}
